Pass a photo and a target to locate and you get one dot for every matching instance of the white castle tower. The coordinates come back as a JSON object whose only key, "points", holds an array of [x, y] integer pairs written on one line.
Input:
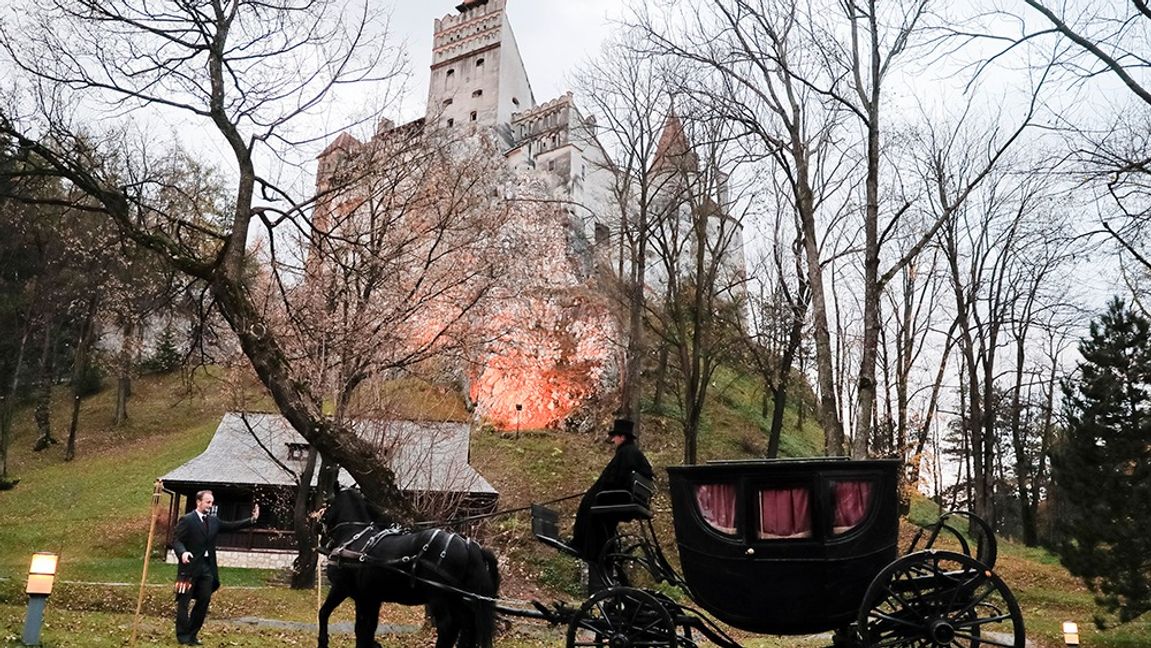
{"points": [[477, 75]]}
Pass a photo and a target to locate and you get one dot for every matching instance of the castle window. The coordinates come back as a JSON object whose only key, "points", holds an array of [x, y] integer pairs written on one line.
{"points": [[515, 101], [451, 73], [451, 122], [473, 115], [478, 93], [448, 101], [479, 62], [551, 165]]}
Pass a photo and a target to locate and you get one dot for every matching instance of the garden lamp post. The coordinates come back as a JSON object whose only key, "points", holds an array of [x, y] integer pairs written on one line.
{"points": [[1070, 633], [41, 577]]}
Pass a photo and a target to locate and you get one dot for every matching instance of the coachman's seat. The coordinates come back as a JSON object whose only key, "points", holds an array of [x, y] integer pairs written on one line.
{"points": [[617, 505]]}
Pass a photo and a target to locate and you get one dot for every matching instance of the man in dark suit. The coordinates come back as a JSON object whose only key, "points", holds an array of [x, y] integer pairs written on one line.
{"points": [[591, 532], [197, 576]]}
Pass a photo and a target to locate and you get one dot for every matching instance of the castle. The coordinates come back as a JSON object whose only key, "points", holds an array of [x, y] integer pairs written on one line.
{"points": [[561, 343]]}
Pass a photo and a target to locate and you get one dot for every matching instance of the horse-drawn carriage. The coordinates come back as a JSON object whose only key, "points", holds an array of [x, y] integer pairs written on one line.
{"points": [[789, 547]]}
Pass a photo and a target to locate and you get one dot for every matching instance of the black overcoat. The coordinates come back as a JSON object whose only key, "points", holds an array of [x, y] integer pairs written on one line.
{"points": [[589, 535], [199, 539]]}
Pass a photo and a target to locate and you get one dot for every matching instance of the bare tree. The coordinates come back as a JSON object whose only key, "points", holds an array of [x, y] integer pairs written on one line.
{"points": [[749, 62], [777, 315], [1099, 43], [1000, 251], [701, 271], [630, 99], [248, 71]]}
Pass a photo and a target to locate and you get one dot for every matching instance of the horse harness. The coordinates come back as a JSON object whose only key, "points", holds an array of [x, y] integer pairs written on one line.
{"points": [[344, 553]]}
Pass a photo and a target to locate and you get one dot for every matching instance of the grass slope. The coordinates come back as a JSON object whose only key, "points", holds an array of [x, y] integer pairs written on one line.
{"points": [[94, 512]]}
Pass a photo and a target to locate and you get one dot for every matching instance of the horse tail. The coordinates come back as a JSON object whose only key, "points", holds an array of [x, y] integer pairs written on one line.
{"points": [[484, 610], [493, 564]]}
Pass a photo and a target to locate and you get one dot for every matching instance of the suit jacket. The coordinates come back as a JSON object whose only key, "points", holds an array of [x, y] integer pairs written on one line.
{"points": [[199, 539]]}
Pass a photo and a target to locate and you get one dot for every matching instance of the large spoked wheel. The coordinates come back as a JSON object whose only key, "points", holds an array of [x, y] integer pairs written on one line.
{"points": [[939, 598], [621, 617]]}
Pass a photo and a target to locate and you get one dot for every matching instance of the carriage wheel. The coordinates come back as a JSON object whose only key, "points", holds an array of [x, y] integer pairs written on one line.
{"points": [[627, 560], [945, 535], [939, 598], [621, 617]]}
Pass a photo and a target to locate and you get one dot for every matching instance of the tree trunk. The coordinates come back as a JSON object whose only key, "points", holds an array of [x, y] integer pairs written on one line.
{"points": [[73, 425], [43, 395], [660, 378], [124, 374], [1022, 460], [123, 391], [79, 367], [779, 397], [871, 288], [296, 401], [636, 349], [8, 403], [932, 403], [828, 406], [304, 566]]}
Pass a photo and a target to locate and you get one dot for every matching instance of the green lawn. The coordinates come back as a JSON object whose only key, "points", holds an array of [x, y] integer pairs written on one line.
{"points": [[94, 512]]}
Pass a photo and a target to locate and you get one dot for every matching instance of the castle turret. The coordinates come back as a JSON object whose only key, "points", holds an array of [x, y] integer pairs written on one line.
{"points": [[477, 76]]}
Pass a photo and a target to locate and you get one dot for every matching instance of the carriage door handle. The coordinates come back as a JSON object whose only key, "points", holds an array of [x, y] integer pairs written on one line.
{"points": [[750, 551]]}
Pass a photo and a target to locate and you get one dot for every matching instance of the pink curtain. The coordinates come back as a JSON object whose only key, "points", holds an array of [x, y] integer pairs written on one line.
{"points": [[717, 504], [852, 499], [784, 513]]}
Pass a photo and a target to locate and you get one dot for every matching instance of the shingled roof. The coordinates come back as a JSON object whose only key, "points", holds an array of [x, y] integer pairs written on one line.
{"points": [[426, 456]]}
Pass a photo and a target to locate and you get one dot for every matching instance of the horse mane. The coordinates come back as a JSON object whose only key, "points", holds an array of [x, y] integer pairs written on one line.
{"points": [[362, 509]]}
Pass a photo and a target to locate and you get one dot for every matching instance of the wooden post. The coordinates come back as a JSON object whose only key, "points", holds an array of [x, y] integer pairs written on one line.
{"points": [[319, 584], [157, 491]]}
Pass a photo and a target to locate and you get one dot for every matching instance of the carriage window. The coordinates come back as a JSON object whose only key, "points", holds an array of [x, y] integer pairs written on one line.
{"points": [[717, 505], [852, 501], [784, 513]]}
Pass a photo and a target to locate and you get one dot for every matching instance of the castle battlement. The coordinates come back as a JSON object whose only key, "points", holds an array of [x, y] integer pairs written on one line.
{"points": [[475, 17], [465, 37], [565, 100]]}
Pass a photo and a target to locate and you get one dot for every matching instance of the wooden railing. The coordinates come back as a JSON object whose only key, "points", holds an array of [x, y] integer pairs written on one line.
{"points": [[256, 539]]}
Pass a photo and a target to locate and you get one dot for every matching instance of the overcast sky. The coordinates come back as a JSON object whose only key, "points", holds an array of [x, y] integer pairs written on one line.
{"points": [[554, 36]]}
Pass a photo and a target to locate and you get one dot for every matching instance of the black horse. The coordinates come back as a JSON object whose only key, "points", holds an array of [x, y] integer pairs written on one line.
{"points": [[453, 576]]}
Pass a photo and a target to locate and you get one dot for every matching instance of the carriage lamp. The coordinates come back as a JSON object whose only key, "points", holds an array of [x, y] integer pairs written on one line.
{"points": [[41, 578], [1070, 633]]}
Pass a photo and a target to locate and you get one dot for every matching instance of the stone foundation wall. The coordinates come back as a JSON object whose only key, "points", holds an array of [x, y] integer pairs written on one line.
{"points": [[270, 559]]}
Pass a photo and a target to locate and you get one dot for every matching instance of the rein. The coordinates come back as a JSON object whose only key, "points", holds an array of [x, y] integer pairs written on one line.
{"points": [[493, 514]]}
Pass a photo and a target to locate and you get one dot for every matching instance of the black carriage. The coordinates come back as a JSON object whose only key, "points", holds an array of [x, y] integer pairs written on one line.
{"points": [[793, 547]]}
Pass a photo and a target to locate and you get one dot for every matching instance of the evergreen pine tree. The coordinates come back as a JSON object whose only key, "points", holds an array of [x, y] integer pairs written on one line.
{"points": [[167, 358], [1103, 466]]}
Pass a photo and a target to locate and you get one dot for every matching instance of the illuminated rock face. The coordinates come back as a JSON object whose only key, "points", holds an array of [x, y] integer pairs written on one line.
{"points": [[554, 344], [559, 363]]}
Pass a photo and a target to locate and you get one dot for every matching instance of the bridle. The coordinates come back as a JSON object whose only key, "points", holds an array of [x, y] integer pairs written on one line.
{"points": [[327, 534]]}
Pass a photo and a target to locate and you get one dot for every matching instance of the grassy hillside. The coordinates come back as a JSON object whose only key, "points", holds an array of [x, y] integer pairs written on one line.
{"points": [[94, 512]]}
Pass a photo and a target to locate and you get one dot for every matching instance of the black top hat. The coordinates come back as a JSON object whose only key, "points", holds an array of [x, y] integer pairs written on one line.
{"points": [[622, 427]]}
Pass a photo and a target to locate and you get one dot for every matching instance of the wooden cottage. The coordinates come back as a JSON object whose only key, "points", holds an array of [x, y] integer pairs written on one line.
{"points": [[259, 457]]}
